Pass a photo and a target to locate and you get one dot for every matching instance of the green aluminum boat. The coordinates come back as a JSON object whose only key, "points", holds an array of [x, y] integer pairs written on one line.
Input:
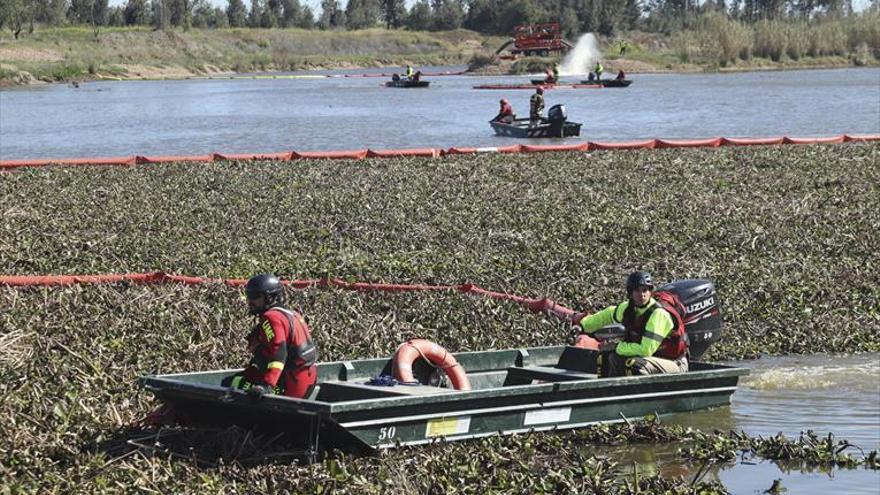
{"points": [[513, 390]]}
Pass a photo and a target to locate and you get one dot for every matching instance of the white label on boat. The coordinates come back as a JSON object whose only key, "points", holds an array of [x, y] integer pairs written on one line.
{"points": [[489, 149], [442, 427], [542, 416]]}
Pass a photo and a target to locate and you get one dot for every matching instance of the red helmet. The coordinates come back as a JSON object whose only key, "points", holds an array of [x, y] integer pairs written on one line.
{"points": [[504, 100], [540, 90]]}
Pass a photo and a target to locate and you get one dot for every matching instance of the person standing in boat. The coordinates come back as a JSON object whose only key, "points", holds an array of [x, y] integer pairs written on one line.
{"points": [[505, 114], [654, 341], [536, 106], [284, 355], [598, 70], [409, 72], [552, 74]]}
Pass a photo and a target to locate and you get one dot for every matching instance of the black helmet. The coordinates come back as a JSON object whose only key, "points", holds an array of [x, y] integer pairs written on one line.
{"points": [[638, 279], [268, 286]]}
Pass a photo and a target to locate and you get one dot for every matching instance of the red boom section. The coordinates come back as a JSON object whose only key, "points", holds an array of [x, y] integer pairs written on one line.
{"points": [[585, 146]]}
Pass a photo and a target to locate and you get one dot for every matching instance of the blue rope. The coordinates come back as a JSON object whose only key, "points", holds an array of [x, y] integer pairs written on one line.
{"points": [[388, 381]]}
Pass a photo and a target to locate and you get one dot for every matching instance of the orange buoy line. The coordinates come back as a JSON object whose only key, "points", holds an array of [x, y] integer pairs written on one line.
{"points": [[411, 350], [359, 154]]}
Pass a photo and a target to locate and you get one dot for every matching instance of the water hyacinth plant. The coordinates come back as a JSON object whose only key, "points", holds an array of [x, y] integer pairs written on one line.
{"points": [[776, 229]]}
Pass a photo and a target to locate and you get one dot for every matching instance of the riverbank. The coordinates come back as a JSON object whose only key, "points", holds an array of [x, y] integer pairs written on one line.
{"points": [[78, 54]]}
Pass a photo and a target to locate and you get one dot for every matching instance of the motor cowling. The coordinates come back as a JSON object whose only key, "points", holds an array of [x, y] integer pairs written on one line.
{"points": [[557, 113], [702, 318]]}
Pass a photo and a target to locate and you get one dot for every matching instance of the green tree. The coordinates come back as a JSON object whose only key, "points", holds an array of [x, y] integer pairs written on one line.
{"points": [[236, 13], [393, 13], [515, 12], [99, 13], [306, 19], [255, 15], [331, 15], [161, 14], [51, 12], [136, 13], [116, 16], [419, 17], [481, 16], [448, 14], [272, 13], [180, 13], [361, 14], [203, 14], [80, 11], [15, 14], [291, 11], [221, 20]]}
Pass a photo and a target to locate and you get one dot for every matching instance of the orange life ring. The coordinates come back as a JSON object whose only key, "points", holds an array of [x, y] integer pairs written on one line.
{"points": [[412, 349]]}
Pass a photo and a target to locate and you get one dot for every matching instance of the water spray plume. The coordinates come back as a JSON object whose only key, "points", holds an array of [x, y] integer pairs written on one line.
{"points": [[580, 59]]}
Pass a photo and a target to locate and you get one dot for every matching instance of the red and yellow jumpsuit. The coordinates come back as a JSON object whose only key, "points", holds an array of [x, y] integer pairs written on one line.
{"points": [[284, 355]]}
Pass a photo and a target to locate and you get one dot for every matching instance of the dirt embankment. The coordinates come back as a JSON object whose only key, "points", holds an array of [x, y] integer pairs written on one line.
{"points": [[76, 54]]}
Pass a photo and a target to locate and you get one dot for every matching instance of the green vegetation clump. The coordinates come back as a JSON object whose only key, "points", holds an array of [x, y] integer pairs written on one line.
{"points": [[776, 228]]}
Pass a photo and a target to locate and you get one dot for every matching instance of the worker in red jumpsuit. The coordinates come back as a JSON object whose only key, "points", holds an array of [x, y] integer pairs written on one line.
{"points": [[284, 355], [505, 114]]}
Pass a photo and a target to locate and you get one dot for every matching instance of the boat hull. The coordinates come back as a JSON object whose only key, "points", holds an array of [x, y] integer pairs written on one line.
{"points": [[407, 84], [514, 390], [521, 129], [611, 83]]}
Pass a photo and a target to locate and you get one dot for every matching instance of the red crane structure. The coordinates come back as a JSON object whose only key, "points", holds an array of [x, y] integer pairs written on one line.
{"points": [[539, 40]]}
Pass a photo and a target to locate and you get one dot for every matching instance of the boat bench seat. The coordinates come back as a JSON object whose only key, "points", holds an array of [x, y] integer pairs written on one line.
{"points": [[525, 375], [340, 391]]}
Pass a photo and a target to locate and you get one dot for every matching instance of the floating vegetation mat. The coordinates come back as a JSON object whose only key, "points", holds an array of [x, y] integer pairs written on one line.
{"points": [[789, 235]]}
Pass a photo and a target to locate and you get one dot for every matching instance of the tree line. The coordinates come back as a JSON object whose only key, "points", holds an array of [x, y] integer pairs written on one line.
{"points": [[495, 17]]}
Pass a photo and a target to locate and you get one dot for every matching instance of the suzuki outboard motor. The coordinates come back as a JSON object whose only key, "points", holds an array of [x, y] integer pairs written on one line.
{"points": [[556, 116], [557, 113], [702, 318]]}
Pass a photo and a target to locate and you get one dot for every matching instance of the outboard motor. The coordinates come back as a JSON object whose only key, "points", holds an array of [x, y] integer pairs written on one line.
{"points": [[557, 116], [702, 318], [557, 112]]}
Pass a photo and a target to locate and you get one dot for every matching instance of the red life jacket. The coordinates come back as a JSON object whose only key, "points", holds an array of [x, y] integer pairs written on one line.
{"points": [[298, 356], [675, 345]]}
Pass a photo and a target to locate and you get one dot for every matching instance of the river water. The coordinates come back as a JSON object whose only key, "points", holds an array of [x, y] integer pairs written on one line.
{"points": [[197, 116], [839, 394]]}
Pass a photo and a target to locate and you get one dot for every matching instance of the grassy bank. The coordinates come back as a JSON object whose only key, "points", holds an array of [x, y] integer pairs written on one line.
{"points": [[711, 43], [789, 235], [74, 53]]}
